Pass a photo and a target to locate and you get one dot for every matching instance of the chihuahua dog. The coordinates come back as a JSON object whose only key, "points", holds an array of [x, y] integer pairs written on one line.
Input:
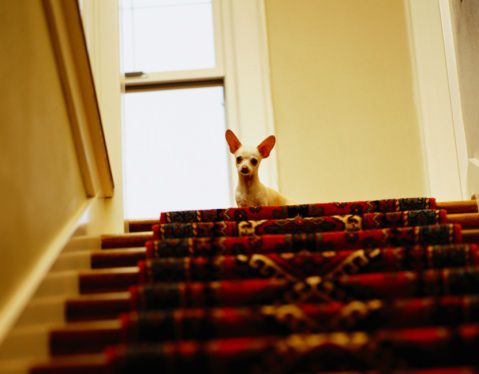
{"points": [[250, 192]]}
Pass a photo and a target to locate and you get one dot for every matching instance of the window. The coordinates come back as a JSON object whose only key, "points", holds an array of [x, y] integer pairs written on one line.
{"points": [[168, 35], [182, 58], [175, 153]]}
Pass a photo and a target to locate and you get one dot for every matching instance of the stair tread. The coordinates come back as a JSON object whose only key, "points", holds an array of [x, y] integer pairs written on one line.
{"points": [[141, 225], [124, 240], [109, 324], [72, 364]]}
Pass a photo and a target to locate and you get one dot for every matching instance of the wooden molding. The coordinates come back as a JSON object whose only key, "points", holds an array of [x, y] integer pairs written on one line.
{"points": [[69, 45]]}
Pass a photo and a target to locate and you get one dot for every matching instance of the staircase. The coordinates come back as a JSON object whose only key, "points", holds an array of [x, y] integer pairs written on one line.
{"points": [[380, 286]]}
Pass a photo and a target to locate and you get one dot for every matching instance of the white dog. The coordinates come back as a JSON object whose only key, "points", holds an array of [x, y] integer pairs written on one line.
{"points": [[250, 192]]}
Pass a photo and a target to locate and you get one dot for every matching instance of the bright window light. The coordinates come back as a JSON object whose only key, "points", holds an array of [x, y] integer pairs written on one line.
{"points": [[175, 154], [167, 35]]}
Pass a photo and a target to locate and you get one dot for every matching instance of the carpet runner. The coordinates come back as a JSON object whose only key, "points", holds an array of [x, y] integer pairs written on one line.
{"points": [[303, 210], [328, 241], [298, 224], [378, 286], [306, 263], [384, 350]]}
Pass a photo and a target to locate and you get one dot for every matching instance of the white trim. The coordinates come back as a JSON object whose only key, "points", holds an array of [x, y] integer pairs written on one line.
{"points": [[247, 87], [69, 45], [454, 91], [20, 297], [266, 90], [433, 100], [415, 83]]}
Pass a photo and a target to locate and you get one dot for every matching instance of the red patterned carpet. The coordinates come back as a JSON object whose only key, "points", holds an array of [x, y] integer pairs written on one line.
{"points": [[375, 286]]}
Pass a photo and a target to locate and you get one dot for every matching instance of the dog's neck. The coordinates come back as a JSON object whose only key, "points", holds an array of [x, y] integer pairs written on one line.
{"points": [[248, 182]]}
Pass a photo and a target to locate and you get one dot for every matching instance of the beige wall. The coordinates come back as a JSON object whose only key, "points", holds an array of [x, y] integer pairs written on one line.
{"points": [[41, 187], [343, 100], [42, 179]]}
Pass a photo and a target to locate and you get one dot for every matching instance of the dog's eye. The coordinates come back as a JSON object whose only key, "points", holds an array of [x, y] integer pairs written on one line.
{"points": [[254, 161], [239, 159]]}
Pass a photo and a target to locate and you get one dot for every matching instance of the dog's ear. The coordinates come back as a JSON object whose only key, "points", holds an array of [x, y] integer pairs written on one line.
{"points": [[232, 140], [266, 146]]}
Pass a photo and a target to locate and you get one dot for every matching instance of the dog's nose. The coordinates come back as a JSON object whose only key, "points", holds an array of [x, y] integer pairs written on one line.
{"points": [[244, 170]]}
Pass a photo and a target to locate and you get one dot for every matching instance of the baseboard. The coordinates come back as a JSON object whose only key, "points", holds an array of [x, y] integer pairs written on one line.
{"points": [[473, 176]]}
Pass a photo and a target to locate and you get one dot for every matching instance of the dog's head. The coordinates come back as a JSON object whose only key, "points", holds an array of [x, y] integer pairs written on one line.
{"points": [[248, 158]]}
